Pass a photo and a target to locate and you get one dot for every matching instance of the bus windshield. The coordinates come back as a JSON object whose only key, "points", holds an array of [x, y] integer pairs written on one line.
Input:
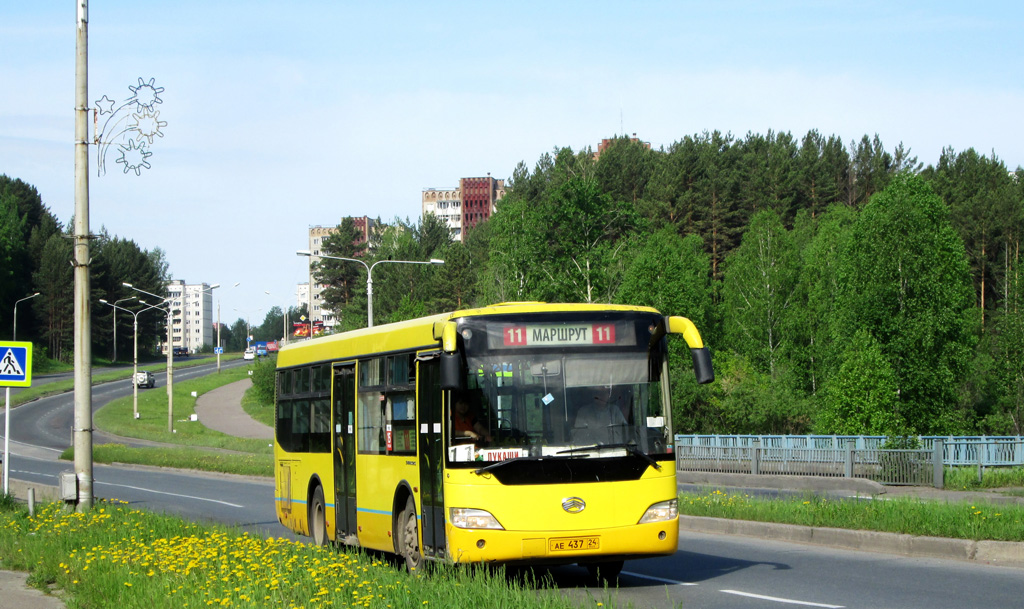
{"points": [[606, 403]]}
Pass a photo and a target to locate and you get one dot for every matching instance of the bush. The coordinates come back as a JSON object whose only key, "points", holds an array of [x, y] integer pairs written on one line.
{"points": [[264, 378]]}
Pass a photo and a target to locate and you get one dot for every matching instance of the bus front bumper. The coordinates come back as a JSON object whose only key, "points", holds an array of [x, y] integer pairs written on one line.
{"points": [[634, 541]]}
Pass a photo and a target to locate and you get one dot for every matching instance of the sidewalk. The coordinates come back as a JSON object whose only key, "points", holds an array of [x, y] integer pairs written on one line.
{"points": [[221, 410], [1001, 553]]}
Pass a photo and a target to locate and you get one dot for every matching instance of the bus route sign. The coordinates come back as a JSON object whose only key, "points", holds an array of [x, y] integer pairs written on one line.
{"points": [[15, 364]]}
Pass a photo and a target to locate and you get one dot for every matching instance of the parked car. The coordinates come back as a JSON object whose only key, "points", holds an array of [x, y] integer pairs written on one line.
{"points": [[145, 378], [250, 353]]}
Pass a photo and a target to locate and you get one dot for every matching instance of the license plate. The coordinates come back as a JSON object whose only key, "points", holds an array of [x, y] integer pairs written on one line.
{"points": [[566, 544]]}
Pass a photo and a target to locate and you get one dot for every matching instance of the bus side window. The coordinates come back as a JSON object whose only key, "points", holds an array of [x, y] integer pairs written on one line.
{"points": [[371, 422]]}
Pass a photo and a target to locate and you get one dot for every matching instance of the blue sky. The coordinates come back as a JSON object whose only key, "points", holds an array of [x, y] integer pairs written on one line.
{"points": [[285, 115]]}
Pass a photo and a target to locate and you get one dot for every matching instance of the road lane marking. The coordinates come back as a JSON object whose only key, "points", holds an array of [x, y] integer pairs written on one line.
{"points": [[149, 490], [781, 600], [658, 579]]}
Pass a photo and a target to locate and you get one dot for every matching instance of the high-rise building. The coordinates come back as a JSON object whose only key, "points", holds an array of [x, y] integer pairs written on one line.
{"points": [[192, 320], [464, 207], [314, 290]]}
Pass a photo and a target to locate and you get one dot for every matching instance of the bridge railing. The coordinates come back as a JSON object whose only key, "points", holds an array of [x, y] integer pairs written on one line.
{"points": [[920, 467], [980, 451]]}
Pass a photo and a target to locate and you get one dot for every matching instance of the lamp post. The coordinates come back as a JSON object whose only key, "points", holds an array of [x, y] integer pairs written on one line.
{"points": [[114, 315], [170, 356], [7, 406], [369, 279], [220, 347], [135, 355], [210, 290]]}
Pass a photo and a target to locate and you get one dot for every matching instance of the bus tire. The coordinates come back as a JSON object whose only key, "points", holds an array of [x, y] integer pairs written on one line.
{"points": [[409, 544], [317, 517], [605, 572]]}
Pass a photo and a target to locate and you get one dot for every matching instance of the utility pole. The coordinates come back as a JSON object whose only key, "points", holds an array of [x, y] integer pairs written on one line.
{"points": [[82, 429]]}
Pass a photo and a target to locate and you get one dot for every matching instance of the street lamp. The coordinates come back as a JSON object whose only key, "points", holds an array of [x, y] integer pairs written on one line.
{"points": [[170, 355], [135, 356], [369, 279], [210, 290], [7, 406], [114, 359]]}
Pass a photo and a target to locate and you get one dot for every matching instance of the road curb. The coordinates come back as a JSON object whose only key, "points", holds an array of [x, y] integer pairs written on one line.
{"points": [[1001, 553]]}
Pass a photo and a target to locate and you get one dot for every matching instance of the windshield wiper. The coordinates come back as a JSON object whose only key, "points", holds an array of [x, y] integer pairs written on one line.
{"points": [[497, 464], [630, 446]]}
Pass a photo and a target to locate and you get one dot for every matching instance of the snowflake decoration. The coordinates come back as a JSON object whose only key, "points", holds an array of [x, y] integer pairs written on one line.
{"points": [[148, 125], [146, 94], [134, 158]]}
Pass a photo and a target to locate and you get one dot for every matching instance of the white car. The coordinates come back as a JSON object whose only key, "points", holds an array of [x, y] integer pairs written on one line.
{"points": [[250, 353], [145, 378]]}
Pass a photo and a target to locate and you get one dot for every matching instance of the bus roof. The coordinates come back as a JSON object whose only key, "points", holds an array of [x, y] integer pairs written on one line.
{"points": [[417, 333]]}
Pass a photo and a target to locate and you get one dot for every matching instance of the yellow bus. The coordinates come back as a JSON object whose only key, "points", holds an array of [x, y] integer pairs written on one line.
{"points": [[512, 433]]}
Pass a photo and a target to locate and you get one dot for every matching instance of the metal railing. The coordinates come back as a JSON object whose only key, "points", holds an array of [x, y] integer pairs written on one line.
{"points": [[887, 466], [980, 451]]}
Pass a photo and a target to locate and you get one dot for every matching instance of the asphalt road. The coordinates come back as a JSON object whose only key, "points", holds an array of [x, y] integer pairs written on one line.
{"points": [[708, 571]]}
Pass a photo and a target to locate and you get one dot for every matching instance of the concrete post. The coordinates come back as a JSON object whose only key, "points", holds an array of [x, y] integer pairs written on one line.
{"points": [[979, 448], [938, 453], [755, 457], [848, 466]]}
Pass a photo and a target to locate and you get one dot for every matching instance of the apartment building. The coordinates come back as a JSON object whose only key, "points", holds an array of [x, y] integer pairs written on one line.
{"points": [[193, 321], [462, 208], [314, 290]]}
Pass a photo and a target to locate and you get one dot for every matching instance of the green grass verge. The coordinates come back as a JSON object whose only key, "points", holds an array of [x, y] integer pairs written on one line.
{"points": [[246, 464], [257, 408], [115, 556], [45, 390], [904, 515], [117, 418], [965, 478]]}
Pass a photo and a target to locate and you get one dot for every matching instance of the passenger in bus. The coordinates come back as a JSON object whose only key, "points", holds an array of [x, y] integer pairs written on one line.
{"points": [[465, 422], [599, 419]]}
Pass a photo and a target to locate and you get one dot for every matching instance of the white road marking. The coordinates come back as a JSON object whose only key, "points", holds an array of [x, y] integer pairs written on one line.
{"points": [[658, 579], [149, 490], [781, 600]]}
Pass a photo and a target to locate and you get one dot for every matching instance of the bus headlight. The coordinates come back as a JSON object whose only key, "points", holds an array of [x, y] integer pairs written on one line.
{"points": [[661, 511], [471, 518]]}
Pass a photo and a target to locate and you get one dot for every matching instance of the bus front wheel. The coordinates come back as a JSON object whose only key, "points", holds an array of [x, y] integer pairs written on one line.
{"points": [[408, 528], [317, 520]]}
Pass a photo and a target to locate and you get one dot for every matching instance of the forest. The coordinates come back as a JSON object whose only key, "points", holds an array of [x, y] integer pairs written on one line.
{"points": [[842, 288]]}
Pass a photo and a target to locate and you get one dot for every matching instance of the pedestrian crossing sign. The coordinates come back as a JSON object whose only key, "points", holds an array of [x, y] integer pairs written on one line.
{"points": [[15, 364]]}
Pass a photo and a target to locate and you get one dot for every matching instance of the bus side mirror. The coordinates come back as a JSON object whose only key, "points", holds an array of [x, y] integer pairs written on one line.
{"points": [[452, 376], [702, 365]]}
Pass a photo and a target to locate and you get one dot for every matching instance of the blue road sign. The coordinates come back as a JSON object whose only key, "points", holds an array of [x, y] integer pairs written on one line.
{"points": [[15, 364], [218, 350]]}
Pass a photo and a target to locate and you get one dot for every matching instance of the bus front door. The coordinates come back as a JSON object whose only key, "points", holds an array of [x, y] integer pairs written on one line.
{"points": [[431, 456], [344, 451]]}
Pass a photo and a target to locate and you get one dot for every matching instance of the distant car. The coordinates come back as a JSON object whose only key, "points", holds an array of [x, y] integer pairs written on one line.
{"points": [[261, 351], [180, 351], [145, 378], [250, 353]]}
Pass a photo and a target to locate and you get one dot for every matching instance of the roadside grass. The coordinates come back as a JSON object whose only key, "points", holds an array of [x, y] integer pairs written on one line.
{"points": [[197, 458], [965, 478], [116, 417], [904, 515], [257, 408], [116, 556], [45, 390]]}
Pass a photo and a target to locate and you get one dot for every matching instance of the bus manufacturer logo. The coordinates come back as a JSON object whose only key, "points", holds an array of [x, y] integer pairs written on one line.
{"points": [[573, 505]]}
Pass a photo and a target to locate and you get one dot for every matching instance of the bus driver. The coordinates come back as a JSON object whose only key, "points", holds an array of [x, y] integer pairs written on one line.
{"points": [[465, 423]]}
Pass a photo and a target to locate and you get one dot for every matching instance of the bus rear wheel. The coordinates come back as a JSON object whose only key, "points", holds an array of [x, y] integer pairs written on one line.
{"points": [[317, 518], [409, 541], [603, 572]]}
